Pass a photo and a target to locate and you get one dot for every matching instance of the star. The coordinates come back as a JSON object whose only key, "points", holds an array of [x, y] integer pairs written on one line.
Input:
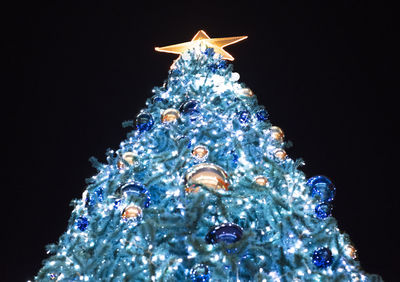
{"points": [[201, 37]]}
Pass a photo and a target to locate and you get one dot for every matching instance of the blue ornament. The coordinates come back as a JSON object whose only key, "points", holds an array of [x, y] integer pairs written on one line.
{"points": [[322, 257], [82, 223], [144, 122], [158, 99], [200, 273], [191, 108], [138, 191], [244, 117], [226, 232], [323, 210], [322, 188], [262, 115]]}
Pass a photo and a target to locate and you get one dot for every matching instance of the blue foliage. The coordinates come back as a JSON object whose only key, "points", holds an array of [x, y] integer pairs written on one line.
{"points": [[209, 52]]}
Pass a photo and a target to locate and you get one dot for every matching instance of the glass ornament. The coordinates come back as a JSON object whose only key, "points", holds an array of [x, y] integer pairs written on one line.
{"points": [[200, 273], [280, 154], [128, 157], [207, 174], [170, 115], [350, 251], [158, 99], [322, 188], [191, 108], [323, 210], [261, 180], [226, 232], [244, 117], [132, 212], [322, 257], [200, 153], [262, 115], [276, 133], [246, 92], [82, 223], [144, 122], [136, 191]]}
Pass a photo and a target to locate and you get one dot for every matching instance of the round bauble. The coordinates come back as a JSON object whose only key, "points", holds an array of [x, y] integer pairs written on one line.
{"points": [[280, 154], [261, 180], [321, 188], [191, 107], [322, 257], [276, 133], [323, 210], [246, 92], [135, 191], [244, 117], [262, 115], [82, 223], [170, 115], [226, 232], [206, 174], [128, 157], [200, 152], [144, 122], [132, 212], [350, 251], [200, 273]]}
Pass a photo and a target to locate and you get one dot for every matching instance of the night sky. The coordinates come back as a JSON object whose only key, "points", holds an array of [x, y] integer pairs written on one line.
{"points": [[76, 70]]}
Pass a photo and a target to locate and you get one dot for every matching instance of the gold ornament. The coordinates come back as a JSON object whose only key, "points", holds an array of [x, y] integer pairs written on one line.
{"points": [[351, 251], [200, 153], [280, 154], [261, 180], [202, 38], [132, 212], [276, 133], [207, 174], [247, 92], [170, 115], [128, 157]]}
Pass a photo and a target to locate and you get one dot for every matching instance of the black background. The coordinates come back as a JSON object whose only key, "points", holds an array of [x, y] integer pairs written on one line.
{"points": [[76, 70]]}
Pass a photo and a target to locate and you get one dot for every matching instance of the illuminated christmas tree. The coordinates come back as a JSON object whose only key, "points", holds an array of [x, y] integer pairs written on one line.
{"points": [[203, 190]]}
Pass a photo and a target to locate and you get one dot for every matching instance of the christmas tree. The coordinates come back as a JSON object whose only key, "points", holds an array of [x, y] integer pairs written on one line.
{"points": [[203, 190]]}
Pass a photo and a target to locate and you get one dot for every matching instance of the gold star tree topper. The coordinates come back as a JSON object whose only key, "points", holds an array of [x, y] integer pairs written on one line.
{"points": [[202, 38]]}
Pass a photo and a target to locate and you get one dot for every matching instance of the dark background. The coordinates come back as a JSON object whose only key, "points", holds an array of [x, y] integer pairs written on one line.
{"points": [[76, 70]]}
